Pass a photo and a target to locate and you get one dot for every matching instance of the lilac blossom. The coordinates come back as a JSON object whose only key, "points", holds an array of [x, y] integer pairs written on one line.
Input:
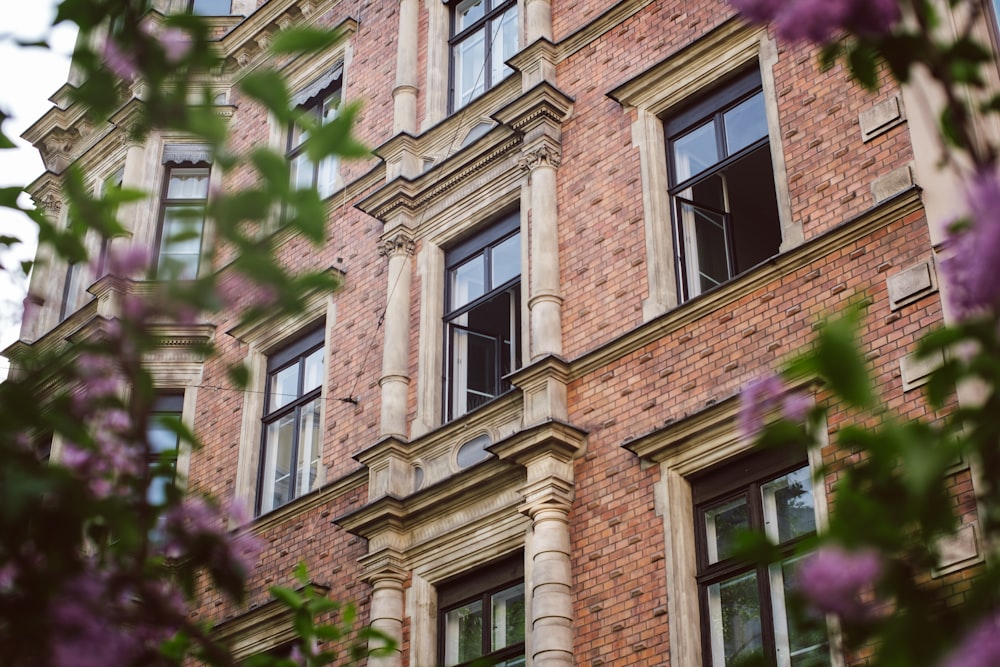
{"points": [[819, 20], [980, 647], [175, 42], [975, 251], [130, 262], [198, 524], [764, 395], [833, 579], [120, 63]]}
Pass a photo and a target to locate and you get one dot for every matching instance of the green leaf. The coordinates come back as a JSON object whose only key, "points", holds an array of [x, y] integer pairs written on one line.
{"points": [[268, 87], [286, 595], [861, 62], [829, 54], [839, 361], [239, 375], [301, 40]]}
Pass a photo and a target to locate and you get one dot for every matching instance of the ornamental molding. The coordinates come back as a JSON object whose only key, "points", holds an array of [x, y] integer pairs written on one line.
{"points": [[540, 156], [398, 244]]}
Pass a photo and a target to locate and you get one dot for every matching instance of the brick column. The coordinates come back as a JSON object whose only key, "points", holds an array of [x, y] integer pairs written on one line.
{"points": [[395, 379]]}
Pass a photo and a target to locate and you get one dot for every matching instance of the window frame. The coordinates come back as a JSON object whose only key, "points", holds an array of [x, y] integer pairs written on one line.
{"points": [[192, 4], [497, 8], [712, 107], [294, 353], [480, 585], [166, 402], [165, 203], [501, 230], [314, 106], [745, 476]]}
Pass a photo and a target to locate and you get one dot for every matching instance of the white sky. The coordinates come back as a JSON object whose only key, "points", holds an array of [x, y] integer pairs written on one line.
{"points": [[27, 78]]}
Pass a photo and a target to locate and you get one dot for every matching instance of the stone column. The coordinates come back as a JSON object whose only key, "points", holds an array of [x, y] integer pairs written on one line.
{"points": [[387, 613], [404, 95], [395, 379], [551, 580], [545, 298], [539, 20]]}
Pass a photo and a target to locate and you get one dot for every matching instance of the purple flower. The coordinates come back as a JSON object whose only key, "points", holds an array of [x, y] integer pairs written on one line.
{"points": [[819, 20], [764, 395], [971, 268], [979, 648], [118, 62], [175, 42], [833, 579]]}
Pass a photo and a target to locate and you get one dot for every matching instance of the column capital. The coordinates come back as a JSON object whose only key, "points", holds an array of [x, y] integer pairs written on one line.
{"points": [[398, 244], [542, 155]]}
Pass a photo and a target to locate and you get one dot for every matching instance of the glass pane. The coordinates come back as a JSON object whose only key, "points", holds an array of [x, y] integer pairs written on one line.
{"points": [[508, 617], [734, 614], [211, 7], [307, 466], [745, 123], [313, 371], [162, 433], [278, 463], [722, 524], [326, 177], [302, 172], [789, 510], [180, 243], [694, 152], [463, 633], [284, 387], [506, 261], [797, 644], [188, 184], [467, 282], [504, 44], [467, 13], [470, 59], [473, 451], [705, 250]]}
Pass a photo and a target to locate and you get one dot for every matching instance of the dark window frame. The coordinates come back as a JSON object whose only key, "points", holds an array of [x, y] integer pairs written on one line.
{"points": [[171, 404], [481, 585], [165, 203], [500, 230], [287, 356], [711, 108], [313, 107], [741, 477], [497, 8]]}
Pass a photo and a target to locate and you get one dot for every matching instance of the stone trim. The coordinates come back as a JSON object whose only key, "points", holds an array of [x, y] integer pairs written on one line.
{"points": [[812, 250], [259, 630]]}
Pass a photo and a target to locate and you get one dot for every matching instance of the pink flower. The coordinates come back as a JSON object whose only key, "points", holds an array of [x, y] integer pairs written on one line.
{"points": [[819, 20], [975, 251], [120, 63], [175, 42], [764, 395], [833, 579], [979, 648]]}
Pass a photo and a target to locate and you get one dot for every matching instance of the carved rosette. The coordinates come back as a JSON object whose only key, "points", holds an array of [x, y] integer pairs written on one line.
{"points": [[540, 156], [400, 244]]}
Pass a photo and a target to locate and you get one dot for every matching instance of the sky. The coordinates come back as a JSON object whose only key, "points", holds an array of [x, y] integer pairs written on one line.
{"points": [[27, 79]]}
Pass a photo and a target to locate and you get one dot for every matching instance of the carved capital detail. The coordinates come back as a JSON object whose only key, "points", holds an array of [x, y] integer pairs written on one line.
{"points": [[400, 244], [544, 155], [50, 202]]}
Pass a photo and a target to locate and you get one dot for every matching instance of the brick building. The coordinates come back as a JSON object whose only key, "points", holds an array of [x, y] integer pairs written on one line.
{"points": [[585, 227]]}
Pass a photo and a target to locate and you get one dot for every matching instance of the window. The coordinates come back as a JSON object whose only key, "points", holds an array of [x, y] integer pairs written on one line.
{"points": [[320, 101], [482, 616], [290, 452], [210, 7], [182, 221], [743, 610], [722, 190], [482, 320], [484, 36], [71, 289], [162, 433]]}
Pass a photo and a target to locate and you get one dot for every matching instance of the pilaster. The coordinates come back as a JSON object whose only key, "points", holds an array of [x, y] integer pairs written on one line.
{"points": [[398, 247]]}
